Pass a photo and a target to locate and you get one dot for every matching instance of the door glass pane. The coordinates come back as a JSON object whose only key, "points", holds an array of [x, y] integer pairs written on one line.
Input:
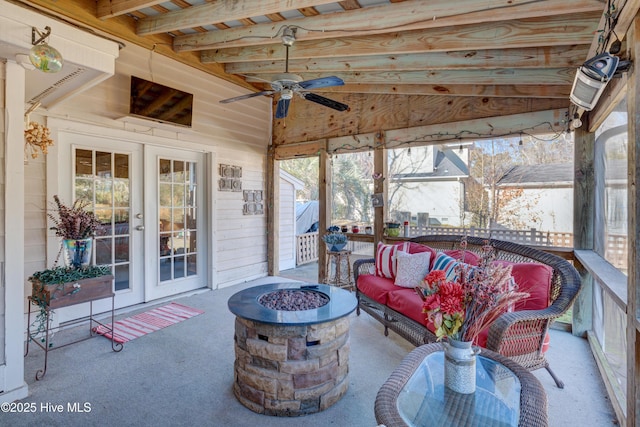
{"points": [[177, 226], [108, 189]]}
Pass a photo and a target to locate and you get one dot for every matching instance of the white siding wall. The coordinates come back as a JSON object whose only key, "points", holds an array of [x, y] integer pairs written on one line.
{"points": [[552, 207], [441, 199], [236, 134], [287, 225]]}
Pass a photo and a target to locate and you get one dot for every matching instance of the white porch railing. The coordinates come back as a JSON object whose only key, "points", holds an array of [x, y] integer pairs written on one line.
{"points": [[307, 244]]}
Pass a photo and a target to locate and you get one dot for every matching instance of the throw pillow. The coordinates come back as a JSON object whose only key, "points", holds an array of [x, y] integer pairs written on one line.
{"points": [[447, 264], [386, 259], [411, 268]]}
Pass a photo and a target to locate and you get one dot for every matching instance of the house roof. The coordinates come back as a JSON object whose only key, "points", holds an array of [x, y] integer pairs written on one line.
{"points": [[447, 165], [556, 173]]}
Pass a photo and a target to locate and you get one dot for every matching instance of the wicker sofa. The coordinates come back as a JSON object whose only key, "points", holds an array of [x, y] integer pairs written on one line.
{"points": [[520, 335]]}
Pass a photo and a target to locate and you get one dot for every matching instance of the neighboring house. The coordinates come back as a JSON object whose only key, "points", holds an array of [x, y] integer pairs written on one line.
{"points": [[289, 184], [161, 186], [435, 188], [539, 196]]}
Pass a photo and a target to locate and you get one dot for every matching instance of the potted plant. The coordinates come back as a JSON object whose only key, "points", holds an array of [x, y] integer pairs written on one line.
{"points": [[63, 286], [76, 226], [335, 241]]}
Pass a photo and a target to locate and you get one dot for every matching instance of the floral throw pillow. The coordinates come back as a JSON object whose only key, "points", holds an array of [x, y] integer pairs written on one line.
{"points": [[411, 268]]}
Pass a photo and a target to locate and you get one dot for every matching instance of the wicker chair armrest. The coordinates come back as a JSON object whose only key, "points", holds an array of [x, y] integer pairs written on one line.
{"points": [[362, 266], [520, 332]]}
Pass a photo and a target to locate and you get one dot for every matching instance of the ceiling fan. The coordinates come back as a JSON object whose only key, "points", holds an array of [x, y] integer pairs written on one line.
{"points": [[288, 84]]}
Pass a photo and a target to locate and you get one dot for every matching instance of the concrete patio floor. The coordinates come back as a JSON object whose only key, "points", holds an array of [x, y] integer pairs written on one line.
{"points": [[182, 375]]}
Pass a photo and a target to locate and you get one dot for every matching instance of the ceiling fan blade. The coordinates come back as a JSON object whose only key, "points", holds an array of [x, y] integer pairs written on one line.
{"points": [[325, 101], [283, 108], [247, 96], [321, 82]]}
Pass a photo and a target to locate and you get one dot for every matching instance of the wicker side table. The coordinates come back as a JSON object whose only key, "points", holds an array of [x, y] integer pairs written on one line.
{"points": [[507, 394]]}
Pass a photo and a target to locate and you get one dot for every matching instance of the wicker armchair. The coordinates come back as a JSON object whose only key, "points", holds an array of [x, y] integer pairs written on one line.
{"points": [[518, 335]]}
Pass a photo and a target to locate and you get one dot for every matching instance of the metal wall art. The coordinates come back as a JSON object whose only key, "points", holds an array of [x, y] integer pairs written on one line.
{"points": [[231, 178], [253, 202]]}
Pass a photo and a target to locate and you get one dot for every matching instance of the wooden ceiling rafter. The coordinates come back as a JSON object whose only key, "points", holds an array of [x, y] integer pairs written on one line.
{"points": [[405, 17]]}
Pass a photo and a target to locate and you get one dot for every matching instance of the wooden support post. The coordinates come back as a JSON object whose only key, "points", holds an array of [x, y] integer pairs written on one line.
{"points": [[273, 213], [379, 186], [584, 208], [633, 193], [324, 216]]}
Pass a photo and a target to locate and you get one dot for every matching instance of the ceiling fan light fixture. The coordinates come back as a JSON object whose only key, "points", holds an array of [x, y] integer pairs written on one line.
{"points": [[286, 94]]}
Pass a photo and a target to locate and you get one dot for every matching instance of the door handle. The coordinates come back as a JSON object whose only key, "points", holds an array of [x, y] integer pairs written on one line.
{"points": [[140, 227]]}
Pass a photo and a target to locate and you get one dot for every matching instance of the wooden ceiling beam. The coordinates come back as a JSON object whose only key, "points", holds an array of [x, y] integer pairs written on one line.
{"points": [[110, 8], [398, 17], [217, 12], [308, 121], [500, 91], [542, 57], [503, 76], [554, 31]]}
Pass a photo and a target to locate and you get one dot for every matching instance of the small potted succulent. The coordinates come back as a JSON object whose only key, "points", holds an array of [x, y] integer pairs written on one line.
{"points": [[335, 241]]}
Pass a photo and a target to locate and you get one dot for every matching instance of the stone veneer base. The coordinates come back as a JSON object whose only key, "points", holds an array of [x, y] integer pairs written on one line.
{"points": [[291, 370]]}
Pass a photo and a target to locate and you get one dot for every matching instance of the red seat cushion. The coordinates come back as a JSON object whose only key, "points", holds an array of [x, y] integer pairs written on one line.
{"points": [[376, 287], [407, 302]]}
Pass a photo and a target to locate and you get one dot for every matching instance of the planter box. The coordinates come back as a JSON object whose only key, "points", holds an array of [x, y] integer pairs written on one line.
{"points": [[70, 293]]}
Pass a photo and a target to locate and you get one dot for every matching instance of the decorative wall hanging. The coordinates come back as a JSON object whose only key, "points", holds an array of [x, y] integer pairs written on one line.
{"points": [[377, 200], [253, 202], [231, 178], [37, 137]]}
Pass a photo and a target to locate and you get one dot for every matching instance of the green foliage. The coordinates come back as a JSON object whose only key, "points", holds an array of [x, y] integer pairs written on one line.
{"points": [[59, 275]]}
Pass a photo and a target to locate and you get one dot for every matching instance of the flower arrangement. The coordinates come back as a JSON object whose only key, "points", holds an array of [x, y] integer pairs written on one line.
{"points": [[37, 136], [73, 222], [460, 309]]}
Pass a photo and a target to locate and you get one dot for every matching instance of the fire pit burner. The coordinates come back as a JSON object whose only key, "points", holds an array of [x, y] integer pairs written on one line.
{"points": [[293, 300]]}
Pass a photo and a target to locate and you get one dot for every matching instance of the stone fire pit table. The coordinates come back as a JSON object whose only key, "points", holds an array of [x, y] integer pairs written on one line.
{"points": [[291, 362]]}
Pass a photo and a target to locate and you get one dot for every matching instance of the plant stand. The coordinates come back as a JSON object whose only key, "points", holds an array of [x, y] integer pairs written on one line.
{"points": [[68, 294], [340, 278]]}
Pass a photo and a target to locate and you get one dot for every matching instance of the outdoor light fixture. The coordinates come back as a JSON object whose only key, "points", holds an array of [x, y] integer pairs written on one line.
{"points": [[288, 36], [42, 56], [591, 79]]}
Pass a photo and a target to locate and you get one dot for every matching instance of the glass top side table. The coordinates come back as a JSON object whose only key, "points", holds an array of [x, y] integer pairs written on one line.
{"points": [[414, 394]]}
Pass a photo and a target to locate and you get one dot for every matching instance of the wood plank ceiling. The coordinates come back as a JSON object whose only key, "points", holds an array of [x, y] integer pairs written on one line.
{"points": [[404, 63]]}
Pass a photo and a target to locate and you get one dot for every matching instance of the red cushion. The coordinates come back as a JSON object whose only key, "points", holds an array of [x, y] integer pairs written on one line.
{"points": [[534, 279], [376, 287], [471, 258], [407, 302]]}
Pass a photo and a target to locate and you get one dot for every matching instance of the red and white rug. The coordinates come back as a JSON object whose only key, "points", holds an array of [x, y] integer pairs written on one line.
{"points": [[142, 324]]}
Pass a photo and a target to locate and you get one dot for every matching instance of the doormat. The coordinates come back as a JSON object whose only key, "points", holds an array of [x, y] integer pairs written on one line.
{"points": [[142, 324]]}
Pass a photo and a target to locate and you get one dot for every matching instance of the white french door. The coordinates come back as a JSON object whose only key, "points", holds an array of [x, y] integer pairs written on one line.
{"points": [[150, 203], [175, 223]]}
